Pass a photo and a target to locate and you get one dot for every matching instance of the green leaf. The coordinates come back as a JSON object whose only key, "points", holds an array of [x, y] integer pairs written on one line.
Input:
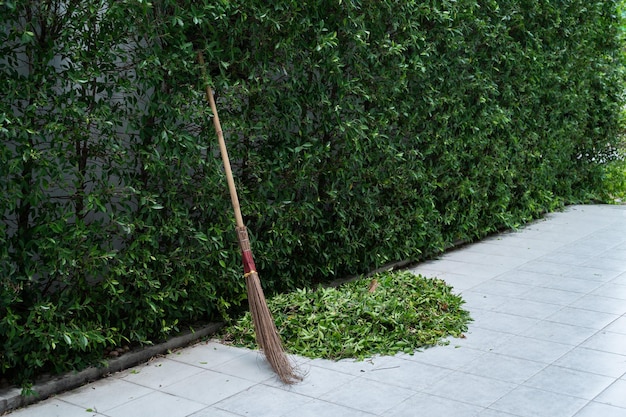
{"points": [[360, 319], [28, 36]]}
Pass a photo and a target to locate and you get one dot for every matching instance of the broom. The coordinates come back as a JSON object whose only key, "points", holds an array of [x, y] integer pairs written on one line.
{"points": [[264, 327]]}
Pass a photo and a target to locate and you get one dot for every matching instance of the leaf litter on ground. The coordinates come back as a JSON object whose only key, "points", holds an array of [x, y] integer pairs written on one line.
{"points": [[385, 314]]}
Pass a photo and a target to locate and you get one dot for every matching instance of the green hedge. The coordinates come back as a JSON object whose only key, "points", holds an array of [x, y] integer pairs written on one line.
{"points": [[361, 132]]}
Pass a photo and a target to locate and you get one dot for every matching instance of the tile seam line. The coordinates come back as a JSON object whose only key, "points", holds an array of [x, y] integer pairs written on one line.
{"points": [[582, 294], [105, 412], [551, 251], [588, 372], [337, 404], [259, 384], [465, 402], [219, 408], [545, 365], [505, 412], [215, 404], [288, 389], [569, 395]]}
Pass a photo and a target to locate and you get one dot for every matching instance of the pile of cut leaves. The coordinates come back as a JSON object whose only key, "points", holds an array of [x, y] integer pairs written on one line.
{"points": [[384, 314]]}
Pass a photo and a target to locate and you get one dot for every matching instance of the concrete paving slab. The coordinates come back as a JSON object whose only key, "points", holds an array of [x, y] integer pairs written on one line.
{"points": [[607, 342], [156, 404], [263, 401], [618, 326], [368, 395], [159, 373], [583, 318], [620, 279], [206, 355], [431, 405], [594, 361], [537, 350], [317, 381], [54, 408], [503, 322], [579, 384], [317, 408], [528, 309], [594, 409], [213, 412], [504, 368], [611, 290], [599, 303], [209, 387], [531, 402], [448, 357], [551, 296], [105, 394], [560, 333], [411, 375], [471, 389], [614, 395]]}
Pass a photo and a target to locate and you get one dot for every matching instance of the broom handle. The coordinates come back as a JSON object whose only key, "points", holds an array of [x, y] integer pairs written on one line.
{"points": [[223, 151]]}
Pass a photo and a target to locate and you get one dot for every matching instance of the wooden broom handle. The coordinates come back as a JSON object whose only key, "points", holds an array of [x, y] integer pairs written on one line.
{"points": [[223, 151]]}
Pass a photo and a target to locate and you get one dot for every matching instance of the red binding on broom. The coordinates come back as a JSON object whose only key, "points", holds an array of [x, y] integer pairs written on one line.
{"points": [[264, 327]]}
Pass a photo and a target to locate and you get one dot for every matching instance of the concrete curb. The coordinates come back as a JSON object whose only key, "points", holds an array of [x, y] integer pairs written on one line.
{"points": [[11, 398]]}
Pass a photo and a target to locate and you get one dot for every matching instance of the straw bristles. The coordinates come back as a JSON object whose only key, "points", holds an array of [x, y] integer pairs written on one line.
{"points": [[266, 333]]}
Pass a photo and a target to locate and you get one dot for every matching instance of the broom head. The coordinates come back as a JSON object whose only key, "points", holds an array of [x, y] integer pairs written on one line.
{"points": [[265, 330]]}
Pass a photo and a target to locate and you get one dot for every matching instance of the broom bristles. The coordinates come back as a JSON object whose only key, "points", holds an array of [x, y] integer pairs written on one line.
{"points": [[266, 332]]}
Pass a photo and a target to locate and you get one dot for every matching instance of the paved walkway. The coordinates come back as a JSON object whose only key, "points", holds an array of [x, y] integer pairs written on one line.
{"points": [[549, 339]]}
